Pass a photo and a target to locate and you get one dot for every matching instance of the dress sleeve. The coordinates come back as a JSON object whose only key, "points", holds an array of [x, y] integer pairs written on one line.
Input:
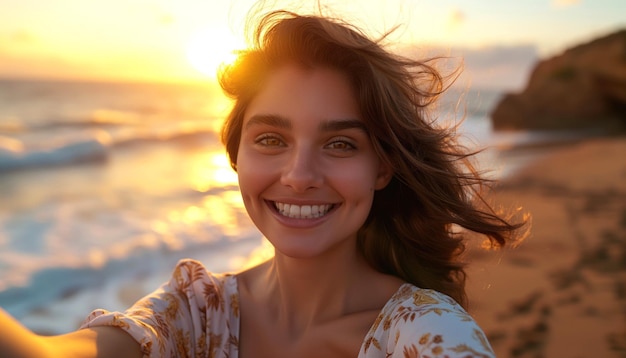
{"points": [[420, 323], [172, 321]]}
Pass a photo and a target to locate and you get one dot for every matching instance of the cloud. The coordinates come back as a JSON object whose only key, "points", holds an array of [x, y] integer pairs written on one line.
{"points": [[19, 66], [496, 66], [16, 41], [23, 37], [157, 13], [505, 67], [456, 18], [565, 3], [485, 57]]}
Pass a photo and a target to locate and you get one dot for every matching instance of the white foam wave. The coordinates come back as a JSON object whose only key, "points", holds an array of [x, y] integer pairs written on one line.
{"points": [[15, 155]]}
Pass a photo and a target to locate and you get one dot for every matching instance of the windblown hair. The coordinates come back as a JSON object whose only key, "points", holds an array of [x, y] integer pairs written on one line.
{"points": [[412, 231]]}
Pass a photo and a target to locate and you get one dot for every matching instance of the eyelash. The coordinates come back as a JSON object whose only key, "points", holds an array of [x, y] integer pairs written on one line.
{"points": [[263, 140], [348, 145]]}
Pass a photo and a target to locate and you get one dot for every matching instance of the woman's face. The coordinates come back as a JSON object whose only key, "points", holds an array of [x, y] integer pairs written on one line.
{"points": [[307, 169]]}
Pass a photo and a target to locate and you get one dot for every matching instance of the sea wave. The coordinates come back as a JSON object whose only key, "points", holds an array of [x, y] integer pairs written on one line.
{"points": [[14, 155], [97, 118], [52, 283], [92, 146]]}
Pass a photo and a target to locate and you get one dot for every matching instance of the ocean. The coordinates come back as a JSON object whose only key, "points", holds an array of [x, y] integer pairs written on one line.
{"points": [[105, 186]]}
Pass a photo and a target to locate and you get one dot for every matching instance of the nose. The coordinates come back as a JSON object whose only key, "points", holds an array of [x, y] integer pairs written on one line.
{"points": [[302, 172]]}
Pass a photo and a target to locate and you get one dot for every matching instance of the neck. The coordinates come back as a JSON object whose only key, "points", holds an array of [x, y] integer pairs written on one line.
{"points": [[304, 292]]}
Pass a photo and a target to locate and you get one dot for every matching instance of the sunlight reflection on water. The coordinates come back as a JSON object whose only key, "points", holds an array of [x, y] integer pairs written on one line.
{"points": [[211, 169]]}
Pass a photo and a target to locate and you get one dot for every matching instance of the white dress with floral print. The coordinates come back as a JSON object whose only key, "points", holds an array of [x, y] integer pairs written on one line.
{"points": [[196, 314]]}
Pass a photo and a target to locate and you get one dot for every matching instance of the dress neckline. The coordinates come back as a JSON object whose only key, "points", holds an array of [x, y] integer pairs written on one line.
{"points": [[391, 301]]}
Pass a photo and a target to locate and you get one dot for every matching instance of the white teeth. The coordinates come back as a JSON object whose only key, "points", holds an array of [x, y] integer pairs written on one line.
{"points": [[302, 212]]}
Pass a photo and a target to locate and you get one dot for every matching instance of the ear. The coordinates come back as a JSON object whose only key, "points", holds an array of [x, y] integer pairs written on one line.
{"points": [[385, 173]]}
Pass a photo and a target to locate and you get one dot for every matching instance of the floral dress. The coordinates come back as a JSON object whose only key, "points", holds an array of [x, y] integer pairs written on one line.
{"points": [[196, 314]]}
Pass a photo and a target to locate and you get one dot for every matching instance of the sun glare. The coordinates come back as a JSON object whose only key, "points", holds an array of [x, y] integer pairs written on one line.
{"points": [[208, 49]]}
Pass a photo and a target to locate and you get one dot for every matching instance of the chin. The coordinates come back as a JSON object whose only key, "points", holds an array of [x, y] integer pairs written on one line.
{"points": [[307, 250]]}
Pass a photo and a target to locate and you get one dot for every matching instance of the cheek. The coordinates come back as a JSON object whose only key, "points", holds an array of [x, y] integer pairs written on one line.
{"points": [[251, 186], [253, 172], [356, 181], [248, 174], [244, 171]]}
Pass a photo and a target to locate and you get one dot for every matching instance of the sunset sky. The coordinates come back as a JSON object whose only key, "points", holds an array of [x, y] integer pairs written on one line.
{"points": [[172, 40]]}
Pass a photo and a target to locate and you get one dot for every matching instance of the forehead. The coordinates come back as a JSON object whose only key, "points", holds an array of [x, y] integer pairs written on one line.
{"points": [[293, 91]]}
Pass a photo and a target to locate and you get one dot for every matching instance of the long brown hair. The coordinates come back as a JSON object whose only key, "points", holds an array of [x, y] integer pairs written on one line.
{"points": [[415, 227]]}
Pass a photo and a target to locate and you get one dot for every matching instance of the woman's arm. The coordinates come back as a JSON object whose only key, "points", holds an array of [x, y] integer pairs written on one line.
{"points": [[16, 342]]}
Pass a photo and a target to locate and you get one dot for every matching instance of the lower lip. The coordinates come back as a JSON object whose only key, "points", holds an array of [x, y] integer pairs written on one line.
{"points": [[297, 223]]}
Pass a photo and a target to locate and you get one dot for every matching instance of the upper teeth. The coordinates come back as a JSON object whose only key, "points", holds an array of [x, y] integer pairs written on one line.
{"points": [[302, 211]]}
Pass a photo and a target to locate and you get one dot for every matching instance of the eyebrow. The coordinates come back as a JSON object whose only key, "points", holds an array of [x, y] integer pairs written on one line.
{"points": [[270, 120], [331, 125], [341, 124]]}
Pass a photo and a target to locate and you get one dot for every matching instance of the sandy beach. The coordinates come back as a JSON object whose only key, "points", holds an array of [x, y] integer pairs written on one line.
{"points": [[562, 292]]}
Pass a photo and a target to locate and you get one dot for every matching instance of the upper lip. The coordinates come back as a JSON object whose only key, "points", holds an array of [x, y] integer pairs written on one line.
{"points": [[301, 201]]}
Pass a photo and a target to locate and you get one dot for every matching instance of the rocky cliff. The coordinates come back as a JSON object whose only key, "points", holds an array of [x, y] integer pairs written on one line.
{"points": [[583, 88]]}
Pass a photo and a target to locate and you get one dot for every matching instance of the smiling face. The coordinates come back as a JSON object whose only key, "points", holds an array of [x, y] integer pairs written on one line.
{"points": [[307, 169]]}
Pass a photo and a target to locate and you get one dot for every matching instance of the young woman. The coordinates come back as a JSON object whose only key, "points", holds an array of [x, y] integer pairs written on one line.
{"points": [[364, 199]]}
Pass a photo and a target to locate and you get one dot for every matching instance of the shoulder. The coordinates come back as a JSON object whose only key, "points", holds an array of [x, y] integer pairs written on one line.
{"points": [[421, 308], [423, 302], [189, 270], [190, 275], [191, 279], [175, 319], [415, 321]]}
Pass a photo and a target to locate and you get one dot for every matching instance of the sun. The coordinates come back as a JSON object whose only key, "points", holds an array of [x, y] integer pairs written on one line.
{"points": [[207, 49]]}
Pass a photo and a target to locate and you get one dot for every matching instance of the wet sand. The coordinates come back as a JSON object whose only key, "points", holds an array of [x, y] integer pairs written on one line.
{"points": [[562, 292]]}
